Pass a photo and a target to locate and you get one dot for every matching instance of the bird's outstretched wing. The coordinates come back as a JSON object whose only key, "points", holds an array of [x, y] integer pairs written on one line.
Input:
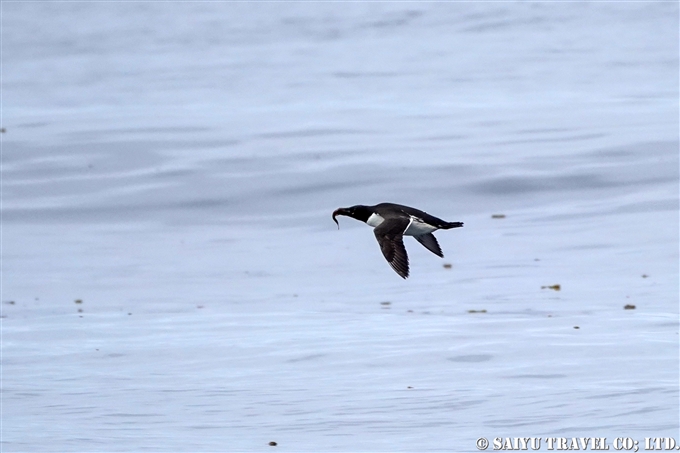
{"points": [[390, 236], [430, 243]]}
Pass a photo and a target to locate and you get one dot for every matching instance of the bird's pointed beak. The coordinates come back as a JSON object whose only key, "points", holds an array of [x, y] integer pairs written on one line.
{"points": [[337, 212]]}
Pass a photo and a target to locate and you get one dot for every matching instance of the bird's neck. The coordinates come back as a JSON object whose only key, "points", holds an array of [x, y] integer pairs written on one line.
{"points": [[374, 220]]}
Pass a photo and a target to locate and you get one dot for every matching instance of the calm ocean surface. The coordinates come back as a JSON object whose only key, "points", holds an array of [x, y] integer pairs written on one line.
{"points": [[172, 279]]}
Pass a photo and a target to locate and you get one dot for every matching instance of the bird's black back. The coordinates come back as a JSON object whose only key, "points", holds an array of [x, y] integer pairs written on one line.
{"points": [[391, 209]]}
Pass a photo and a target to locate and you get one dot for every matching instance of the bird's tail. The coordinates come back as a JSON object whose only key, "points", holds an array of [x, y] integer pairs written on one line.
{"points": [[449, 225]]}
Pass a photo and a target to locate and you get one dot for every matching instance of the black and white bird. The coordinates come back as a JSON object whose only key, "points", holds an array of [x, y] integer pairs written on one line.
{"points": [[391, 222]]}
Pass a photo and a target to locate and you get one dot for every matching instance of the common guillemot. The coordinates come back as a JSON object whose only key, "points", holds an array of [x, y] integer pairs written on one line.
{"points": [[391, 222]]}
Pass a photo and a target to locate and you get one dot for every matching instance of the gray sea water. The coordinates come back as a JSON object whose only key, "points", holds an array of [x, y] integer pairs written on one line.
{"points": [[172, 279]]}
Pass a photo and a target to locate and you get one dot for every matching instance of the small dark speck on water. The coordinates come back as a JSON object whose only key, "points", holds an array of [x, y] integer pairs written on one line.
{"points": [[129, 314], [645, 275], [272, 444], [498, 216], [576, 327], [10, 302], [80, 310], [447, 266], [477, 311], [78, 301], [629, 307], [385, 303], [554, 287]]}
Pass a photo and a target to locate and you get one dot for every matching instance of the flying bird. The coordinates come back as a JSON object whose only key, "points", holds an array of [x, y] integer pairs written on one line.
{"points": [[391, 222]]}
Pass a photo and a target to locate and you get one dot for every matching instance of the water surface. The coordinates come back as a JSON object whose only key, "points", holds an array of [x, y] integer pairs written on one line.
{"points": [[172, 279]]}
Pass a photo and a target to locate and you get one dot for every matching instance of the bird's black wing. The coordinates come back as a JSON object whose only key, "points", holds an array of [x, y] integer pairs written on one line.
{"points": [[390, 237], [430, 243]]}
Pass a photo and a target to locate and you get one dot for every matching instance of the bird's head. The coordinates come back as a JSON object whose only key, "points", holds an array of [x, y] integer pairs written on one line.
{"points": [[358, 212]]}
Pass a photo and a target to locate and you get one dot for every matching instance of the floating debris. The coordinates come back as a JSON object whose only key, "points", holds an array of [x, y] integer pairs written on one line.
{"points": [[409, 387], [497, 216], [80, 310], [554, 287], [477, 311], [386, 303], [645, 275], [576, 327], [447, 265], [629, 307], [272, 444], [10, 302], [78, 301]]}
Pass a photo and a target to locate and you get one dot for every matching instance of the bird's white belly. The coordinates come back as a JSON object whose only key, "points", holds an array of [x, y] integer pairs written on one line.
{"points": [[374, 220], [417, 227]]}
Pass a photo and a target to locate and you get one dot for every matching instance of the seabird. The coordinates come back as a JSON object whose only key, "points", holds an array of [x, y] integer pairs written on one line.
{"points": [[391, 222]]}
